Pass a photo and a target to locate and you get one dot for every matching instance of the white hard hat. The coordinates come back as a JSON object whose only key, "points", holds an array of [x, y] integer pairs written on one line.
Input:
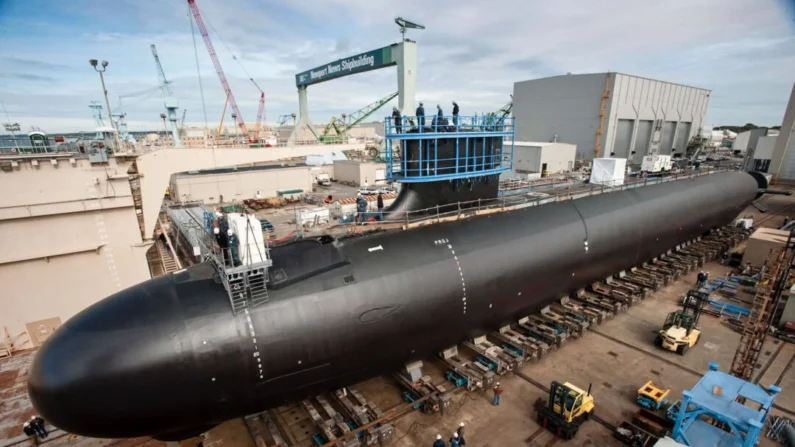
{"points": [[498, 383], [438, 436], [216, 230], [461, 424], [219, 214], [455, 434], [26, 424], [229, 232], [358, 194]]}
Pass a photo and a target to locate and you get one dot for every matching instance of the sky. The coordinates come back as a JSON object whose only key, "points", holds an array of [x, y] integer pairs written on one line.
{"points": [[471, 52]]}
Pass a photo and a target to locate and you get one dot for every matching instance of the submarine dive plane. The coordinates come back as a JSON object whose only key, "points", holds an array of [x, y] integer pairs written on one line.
{"points": [[167, 358]]}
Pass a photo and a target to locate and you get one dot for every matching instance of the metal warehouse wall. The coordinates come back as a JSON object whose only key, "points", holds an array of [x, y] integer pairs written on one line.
{"points": [[568, 107], [564, 106], [782, 166], [635, 103], [241, 185]]}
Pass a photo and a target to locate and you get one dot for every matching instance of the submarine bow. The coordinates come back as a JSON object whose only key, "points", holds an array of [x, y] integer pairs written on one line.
{"points": [[167, 358]]}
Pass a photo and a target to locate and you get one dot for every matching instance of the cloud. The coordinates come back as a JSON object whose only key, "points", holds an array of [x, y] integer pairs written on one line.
{"points": [[25, 77], [472, 53]]}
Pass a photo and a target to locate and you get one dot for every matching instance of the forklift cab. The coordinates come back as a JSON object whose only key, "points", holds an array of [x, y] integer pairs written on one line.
{"points": [[680, 319], [570, 402]]}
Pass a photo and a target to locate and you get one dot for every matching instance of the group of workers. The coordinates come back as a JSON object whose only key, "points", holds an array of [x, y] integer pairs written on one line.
{"points": [[456, 440], [35, 429], [227, 240], [361, 207], [397, 118]]}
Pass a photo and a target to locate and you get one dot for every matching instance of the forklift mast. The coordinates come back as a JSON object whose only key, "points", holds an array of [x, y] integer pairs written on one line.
{"points": [[694, 303]]}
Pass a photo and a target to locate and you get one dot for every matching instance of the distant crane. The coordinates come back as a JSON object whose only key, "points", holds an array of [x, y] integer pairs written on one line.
{"points": [[182, 122], [260, 111], [170, 100], [214, 57], [342, 126]]}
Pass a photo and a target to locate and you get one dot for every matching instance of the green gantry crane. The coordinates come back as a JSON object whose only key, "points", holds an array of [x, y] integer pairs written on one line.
{"points": [[500, 115], [336, 130]]}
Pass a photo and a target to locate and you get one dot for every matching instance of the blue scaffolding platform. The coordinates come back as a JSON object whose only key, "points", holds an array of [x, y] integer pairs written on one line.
{"points": [[722, 410], [436, 148]]}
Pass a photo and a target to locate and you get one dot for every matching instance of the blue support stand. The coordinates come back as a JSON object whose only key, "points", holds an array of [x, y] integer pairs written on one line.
{"points": [[716, 411]]}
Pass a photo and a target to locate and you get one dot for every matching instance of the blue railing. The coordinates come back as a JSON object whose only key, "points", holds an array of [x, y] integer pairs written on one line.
{"points": [[448, 147]]}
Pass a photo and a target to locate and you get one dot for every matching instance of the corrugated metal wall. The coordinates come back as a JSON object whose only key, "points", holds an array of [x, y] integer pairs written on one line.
{"points": [[643, 139], [623, 138], [667, 141], [682, 137]]}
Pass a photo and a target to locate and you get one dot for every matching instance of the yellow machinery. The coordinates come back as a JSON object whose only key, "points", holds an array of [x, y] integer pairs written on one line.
{"points": [[680, 331], [566, 409], [651, 397]]}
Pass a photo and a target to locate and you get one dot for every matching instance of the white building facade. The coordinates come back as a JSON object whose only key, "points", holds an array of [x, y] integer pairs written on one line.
{"points": [[612, 114]]}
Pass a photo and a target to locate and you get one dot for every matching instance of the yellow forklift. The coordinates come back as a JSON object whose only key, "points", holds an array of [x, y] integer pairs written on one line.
{"points": [[680, 331], [566, 409]]}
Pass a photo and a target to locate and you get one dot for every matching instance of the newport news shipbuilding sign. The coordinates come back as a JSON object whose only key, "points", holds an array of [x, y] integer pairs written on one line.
{"points": [[371, 60]]}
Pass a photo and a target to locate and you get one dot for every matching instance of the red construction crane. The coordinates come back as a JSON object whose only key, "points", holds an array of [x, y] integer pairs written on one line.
{"points": [[260, 110], [210, 49]]}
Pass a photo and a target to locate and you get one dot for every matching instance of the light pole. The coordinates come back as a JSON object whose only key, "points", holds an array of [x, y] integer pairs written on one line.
{"points": [[94, 63], [165, 129]]}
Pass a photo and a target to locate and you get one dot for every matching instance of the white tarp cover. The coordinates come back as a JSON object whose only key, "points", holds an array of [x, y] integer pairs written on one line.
{"points": [[608, 171], [251, 241]]}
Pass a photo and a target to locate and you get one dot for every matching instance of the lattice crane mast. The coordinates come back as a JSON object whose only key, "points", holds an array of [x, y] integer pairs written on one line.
{"points": [[168, 97], [260, 108], [197, 17]]}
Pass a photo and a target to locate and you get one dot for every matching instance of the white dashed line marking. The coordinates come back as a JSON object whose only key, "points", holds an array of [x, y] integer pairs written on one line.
{"points": [[460, 272]]}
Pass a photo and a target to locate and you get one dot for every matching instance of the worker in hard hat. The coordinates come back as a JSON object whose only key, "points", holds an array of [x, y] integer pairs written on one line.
{"points": [[497, 394], [30, 432], [361, 207], [397, 118], [455, 440], [701, 279], [460, 432], [439, 442], [233, 247], [421, 116]]}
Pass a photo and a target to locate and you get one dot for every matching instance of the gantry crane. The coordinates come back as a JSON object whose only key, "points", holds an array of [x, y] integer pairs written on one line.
{"points": [[170, 101], [182, 122], [499, 116], [197, 17]]}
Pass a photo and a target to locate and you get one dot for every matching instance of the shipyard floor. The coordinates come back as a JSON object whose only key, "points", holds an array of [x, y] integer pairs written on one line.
{"points": [[616, 357]]}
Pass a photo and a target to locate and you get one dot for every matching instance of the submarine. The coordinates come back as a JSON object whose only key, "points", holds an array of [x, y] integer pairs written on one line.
{"points": [[167, 358]]}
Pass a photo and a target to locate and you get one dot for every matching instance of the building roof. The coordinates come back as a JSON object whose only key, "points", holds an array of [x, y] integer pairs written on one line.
{"points": [[233, 169], [619, 73], [540, 143]]}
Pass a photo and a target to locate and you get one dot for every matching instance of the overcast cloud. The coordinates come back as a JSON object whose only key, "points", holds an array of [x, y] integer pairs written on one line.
{"points": [[471, 52]]}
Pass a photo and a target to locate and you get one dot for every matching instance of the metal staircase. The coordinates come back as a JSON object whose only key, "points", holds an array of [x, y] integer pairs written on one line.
{"points": [[246, 284], [138, 203], [755, 326]]}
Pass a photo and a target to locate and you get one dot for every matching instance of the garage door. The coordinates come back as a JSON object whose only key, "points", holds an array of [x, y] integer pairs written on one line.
{"points": [[642, 140], [380, 174], [667, 142], [623, 138], [682, 137]]}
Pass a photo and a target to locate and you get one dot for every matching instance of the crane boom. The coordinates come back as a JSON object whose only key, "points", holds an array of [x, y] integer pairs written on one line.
{"points": [[164, 84], [220, 71], [260, 110]]}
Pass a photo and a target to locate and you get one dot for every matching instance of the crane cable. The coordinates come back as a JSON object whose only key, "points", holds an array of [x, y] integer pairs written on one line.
{"points": [[234, 57]]}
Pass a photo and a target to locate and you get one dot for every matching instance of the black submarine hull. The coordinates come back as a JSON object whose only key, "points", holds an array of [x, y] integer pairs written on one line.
{"points": [[168, 359]]}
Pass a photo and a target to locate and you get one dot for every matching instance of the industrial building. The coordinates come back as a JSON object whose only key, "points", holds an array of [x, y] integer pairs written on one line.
{"points": [[359, 173], [763, 153], [783, 164], [749, 139], [540, 157], [606, 114], [238, 183]]}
